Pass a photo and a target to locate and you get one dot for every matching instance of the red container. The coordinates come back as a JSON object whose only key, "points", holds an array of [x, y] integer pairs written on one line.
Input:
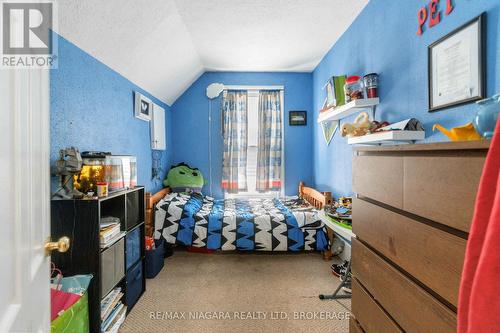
{"points": [[371, 85], [353, 88]]}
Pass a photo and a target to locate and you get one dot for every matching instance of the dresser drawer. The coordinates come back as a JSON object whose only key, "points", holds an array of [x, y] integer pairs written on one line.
{"points": [[440, 186], [354, 326], [368, 313], [379, 178], [432, 256], [414, 309], [443, 188]]}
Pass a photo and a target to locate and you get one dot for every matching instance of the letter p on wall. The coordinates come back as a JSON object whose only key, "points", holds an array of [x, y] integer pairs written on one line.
{"points": [[433, 14]]}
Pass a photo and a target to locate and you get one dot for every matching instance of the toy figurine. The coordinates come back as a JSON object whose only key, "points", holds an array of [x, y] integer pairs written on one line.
{"points": [[345, 201], [68, 164]]}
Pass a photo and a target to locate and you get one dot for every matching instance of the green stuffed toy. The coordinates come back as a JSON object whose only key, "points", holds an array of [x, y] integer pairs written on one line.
{"points": [[182, 178]]}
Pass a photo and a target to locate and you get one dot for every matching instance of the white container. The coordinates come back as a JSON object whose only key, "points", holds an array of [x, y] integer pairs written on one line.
{"points": [[121, 172]]}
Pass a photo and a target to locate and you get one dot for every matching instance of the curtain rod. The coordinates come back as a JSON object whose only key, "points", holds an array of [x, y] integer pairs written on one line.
{"points": [[254, 87]]}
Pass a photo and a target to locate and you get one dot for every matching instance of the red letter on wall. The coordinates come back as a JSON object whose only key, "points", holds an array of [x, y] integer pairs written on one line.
{"points": [[434, 15], [449, 7], [422, 17]]}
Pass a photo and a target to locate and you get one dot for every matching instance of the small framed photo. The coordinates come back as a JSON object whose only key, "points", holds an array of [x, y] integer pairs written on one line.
{"points": [[143, 108], [297, 118], [456, 66]]}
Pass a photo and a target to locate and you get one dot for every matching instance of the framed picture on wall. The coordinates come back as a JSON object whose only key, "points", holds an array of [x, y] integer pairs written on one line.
{"points": [[143, 107], [456, 66], [297, 118]]}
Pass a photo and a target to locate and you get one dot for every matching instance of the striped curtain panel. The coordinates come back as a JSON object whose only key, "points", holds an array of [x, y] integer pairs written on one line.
{"points": [[235, 129], [270, 142]]}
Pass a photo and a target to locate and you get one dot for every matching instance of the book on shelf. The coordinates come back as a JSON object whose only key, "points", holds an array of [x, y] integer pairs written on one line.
{"points": [[330, 95], [109, 229], [339, 90], [106, 235], [109, 221], [112, 240], [113, 311], [335, 91], [110, 320], [110, 301], [115, 324]]}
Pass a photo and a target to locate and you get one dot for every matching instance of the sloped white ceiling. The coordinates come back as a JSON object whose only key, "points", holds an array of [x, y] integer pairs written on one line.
{"points": [[165, 45]]}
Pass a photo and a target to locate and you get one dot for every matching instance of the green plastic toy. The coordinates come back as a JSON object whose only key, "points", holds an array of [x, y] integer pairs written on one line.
{"points": [[183, 178]]}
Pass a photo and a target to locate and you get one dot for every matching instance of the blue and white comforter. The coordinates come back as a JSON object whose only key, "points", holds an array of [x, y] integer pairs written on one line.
{"points": [[234, 224]]}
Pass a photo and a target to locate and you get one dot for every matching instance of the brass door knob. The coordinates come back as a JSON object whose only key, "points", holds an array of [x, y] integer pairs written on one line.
{"points": [[62, 245]]}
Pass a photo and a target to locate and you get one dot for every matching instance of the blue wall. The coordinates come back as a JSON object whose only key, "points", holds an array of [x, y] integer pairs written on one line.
{"points": [[92, 109], [383, 39], [190, 125]]}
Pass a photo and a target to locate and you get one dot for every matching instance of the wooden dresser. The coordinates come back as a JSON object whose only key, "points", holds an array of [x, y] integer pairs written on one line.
{"points": [[411, 216]]}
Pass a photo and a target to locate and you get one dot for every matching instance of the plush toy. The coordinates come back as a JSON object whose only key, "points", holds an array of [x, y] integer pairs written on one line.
{"points": [[376, 126], [183, 178], [361, 126], [337, 246]]}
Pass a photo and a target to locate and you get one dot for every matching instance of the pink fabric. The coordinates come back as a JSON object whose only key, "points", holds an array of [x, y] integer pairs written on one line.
{"points": [[479, 298], [61, 300]]}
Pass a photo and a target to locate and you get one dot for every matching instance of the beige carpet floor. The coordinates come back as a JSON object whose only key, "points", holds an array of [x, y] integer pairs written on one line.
{"points": [[240, 293]]}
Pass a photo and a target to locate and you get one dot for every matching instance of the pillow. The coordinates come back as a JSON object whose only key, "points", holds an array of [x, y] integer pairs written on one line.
{"points": [[183, 178]]}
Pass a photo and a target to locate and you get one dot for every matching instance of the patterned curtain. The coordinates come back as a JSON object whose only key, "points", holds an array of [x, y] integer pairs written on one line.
{"points": [[234, 112], [270, 142]]}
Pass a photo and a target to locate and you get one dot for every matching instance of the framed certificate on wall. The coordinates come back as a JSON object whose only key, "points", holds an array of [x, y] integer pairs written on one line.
{"points": [[456, 66]]}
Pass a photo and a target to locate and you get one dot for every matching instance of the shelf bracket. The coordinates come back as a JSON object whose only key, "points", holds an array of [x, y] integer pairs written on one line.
{"points": [[372, 112]]}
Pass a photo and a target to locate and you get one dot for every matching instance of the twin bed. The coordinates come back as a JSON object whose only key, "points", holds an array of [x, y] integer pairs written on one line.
{"points": [[290, 224]]}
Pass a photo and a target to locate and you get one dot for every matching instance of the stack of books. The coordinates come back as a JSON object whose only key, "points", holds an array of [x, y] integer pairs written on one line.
{"points": [[110, 231], [335, 95], [113, 311]]}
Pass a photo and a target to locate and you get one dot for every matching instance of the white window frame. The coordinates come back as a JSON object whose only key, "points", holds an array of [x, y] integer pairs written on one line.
{"points": [[256, 89]]}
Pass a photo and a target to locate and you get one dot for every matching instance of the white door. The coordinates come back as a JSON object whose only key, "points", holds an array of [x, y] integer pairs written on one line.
{"points": [[24, 201]]}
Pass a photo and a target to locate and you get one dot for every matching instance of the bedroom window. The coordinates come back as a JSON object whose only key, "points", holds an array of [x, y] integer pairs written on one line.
{"points": [[253, 141], [251, 170]]}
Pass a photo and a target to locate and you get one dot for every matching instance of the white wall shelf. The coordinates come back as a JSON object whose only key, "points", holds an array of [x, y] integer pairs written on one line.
{"points": [[389, 137], [357, 105]]}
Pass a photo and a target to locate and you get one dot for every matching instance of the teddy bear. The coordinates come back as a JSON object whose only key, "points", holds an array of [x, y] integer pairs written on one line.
{"points": [[359, 127]]}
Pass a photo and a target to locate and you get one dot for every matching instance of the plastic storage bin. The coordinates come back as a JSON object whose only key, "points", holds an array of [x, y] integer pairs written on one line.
{"points": [[155, 259]]}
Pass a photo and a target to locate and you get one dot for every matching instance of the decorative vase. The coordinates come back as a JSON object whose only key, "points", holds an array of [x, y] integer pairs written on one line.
{"points": [[487, 116]]}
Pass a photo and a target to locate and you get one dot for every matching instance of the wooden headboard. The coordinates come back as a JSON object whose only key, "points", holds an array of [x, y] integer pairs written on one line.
{"points": [[314, 197], [151, 201]]}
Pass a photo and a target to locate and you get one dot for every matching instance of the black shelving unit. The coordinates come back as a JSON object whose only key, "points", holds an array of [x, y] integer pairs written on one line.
{"points": [[123, 266]]}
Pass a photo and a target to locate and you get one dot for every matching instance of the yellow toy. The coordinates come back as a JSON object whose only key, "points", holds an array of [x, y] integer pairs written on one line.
{"points": [[345, 201], [359, 127], [465, 132]]}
